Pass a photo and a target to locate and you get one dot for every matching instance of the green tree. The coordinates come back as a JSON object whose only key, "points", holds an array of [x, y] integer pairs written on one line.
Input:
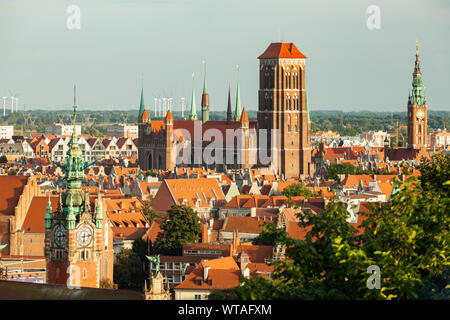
{"points": [[3, 159], [128, 270], [407, 238], [270, 235], [148, 212], [296, 190], [181, 226], [435, 172]]}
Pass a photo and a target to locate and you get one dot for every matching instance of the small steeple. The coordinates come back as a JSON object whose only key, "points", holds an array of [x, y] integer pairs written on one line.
{"points": [[205, 98], [48, 214], [244, 117], [74, 140], [142, 105], [70, 216], [229, 112], [169, 117], [306, 106], [417, 64], [99, 212], [237, 111], [193, 113]]}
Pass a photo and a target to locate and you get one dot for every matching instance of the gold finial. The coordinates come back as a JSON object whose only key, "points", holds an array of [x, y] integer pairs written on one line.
{"points": [[417, 47]]}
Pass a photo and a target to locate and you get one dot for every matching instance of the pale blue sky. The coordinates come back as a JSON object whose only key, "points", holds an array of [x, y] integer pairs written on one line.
{"points": [[349, 67]]}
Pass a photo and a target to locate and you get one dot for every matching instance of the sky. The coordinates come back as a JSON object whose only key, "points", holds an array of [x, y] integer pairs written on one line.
{"points": [[349, 67]]}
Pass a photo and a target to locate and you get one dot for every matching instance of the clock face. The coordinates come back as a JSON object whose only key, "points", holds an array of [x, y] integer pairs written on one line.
{"points": [[148, 130], [60, 236], [84, 236], [420, 114]]}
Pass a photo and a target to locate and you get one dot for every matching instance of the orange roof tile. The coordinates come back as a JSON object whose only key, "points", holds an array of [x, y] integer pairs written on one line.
{"points": [[224, 274], [282, 50], [11, 188], [243, 224]]}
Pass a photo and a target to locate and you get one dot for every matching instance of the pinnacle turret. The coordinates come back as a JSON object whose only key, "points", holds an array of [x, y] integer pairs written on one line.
{"points": [[193, 113], [237, 110]]}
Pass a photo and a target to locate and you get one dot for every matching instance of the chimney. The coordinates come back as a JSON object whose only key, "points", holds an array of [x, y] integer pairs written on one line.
{"points": [[205, 273]]}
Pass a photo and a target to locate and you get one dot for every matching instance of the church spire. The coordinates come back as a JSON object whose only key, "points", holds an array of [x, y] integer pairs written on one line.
{"points": [[417, 95], [229, 112], [74, 171], [74, 140], [48, 214], [99, 212], [193, 113], [417, 65], [237, 111], [142, 105], [205, 99]]}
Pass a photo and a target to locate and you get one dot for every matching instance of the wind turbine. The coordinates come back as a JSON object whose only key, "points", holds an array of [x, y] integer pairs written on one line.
{"points": [[14, 97], [4, 106]]}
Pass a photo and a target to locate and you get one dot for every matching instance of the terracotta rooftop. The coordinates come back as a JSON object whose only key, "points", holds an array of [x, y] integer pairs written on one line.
{"points": [[282, 50], [11, 188]]}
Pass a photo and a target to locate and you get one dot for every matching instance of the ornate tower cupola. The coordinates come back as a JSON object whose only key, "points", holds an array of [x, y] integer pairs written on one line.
{"points": [[74, 173], [193, 113], [78, 248], [205, 99], [417, 109]]}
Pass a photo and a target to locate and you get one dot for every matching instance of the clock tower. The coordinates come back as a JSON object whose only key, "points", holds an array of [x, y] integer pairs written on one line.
{"points": [[78, 240], [417, 109]]}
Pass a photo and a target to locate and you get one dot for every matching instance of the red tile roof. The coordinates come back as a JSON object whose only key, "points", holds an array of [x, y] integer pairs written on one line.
{"points": [[34, 221], [243, 224], [11, 188], [224, 273], [282, 50]]}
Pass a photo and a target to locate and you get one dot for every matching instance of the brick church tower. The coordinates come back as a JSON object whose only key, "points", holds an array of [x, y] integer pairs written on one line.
{"points": [[417, 109], [78, 240], [282, 106]]}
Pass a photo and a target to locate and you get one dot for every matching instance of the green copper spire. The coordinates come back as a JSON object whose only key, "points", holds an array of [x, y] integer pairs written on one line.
{"points": [[237, 110], [306, 106], [417, 94], [74, 174], [193, 113], [48, 214], [142, 106], [205, 89], [99, 212]]}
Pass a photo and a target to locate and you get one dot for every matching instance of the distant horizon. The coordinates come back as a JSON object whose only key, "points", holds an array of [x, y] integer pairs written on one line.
{"points": [[130, 109], [349, 66]]}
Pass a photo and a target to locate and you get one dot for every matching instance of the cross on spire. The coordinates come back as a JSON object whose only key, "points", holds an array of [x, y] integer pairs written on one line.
{"points": [[74, 103]]}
